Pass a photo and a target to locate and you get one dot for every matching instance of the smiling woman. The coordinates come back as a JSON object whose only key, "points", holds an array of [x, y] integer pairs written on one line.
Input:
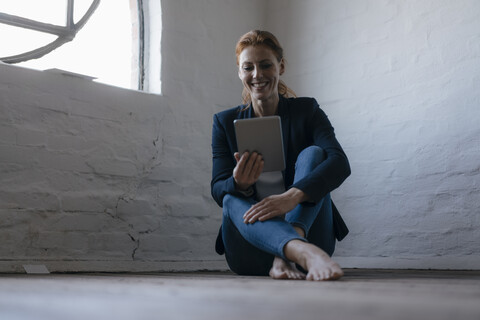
{"points": [[273, 221], [101, 49]]}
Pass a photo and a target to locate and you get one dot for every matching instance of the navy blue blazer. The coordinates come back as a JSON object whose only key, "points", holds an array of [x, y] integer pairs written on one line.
{"points": [[303, 124]]}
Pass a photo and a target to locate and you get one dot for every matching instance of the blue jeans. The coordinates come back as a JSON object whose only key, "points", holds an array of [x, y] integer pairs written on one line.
{"points": [[251, 248]]}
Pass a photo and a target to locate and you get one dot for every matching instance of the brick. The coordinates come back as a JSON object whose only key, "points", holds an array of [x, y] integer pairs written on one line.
{"points": [[18, 155], [70, 143], [87, 201], [30, 138], [62, 161], [28, 200], [63, 242], [110, 244], [112, 167], [7, 135]]}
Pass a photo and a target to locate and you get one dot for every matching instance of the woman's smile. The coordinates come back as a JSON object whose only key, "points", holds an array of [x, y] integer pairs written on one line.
{"points": [[260, 85]]}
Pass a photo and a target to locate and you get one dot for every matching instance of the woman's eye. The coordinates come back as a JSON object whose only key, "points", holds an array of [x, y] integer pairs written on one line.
{"points": [[266, 66], [247, 68]]}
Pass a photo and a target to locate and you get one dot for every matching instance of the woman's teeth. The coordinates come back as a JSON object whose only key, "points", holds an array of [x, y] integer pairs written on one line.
{"points": [[259, 85]]}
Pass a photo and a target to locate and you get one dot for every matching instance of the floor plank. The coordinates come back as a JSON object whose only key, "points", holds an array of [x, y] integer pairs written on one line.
{"points": [[360, 294]]}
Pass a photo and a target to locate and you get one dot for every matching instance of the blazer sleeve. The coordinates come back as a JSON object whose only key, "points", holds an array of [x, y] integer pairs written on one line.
{"points": [[335, 168], [223, 163]]}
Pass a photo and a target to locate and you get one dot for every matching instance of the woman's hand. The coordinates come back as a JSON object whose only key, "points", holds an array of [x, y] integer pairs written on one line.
{"points": [[275, 205], [248, 169]]}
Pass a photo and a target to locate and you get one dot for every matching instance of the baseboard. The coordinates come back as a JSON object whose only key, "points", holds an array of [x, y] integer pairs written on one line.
{"points": [[65, 266], [413, 262], [62, 266]]}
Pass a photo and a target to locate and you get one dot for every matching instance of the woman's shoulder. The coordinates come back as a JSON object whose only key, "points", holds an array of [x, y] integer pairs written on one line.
{"points": [[229, 113], [302, 101], [302, 105]]}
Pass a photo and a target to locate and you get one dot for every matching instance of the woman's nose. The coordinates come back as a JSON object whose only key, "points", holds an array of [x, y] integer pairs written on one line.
{"points": [[256, 72]]}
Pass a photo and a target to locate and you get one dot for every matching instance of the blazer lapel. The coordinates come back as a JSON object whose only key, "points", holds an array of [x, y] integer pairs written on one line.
{"points": [[285, 116]]}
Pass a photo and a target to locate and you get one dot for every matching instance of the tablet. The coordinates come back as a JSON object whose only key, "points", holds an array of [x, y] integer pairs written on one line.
{"points": [[263, 135]]}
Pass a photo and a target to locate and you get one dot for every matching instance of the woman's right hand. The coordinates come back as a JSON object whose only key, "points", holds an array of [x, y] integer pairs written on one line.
{"points": [[248, 169]]}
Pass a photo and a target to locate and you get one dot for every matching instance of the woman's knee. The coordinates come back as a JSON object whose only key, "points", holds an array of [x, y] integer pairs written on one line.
{"points": [[228, 204], [235, 205], [312, 153], [226, 200], [311, 157]]}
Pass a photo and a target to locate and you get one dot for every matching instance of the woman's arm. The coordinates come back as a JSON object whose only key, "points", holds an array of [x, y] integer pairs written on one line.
{"points": [[234, 175], [223, 163], [331, 173]]}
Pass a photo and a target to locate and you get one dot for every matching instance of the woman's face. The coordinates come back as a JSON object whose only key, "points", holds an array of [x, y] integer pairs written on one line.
{"points": [[260, 72]]}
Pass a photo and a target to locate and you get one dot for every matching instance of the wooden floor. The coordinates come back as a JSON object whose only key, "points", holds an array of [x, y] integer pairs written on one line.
{"points": [[360, 294]]}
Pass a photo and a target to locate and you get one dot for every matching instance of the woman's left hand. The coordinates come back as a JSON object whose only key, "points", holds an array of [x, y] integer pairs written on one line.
{"points": [[275, 205]]}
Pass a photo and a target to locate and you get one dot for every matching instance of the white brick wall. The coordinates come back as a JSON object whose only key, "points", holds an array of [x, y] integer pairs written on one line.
{"points": [[92, 173], [75, 160], [400, 82], [97, 178]]}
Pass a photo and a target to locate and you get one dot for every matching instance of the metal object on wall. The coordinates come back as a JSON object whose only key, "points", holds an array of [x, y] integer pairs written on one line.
{"points": [[65, 34], [141, 45]]}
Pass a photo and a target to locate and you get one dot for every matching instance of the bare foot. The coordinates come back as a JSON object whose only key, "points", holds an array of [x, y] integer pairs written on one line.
{"points": [[319, 265], [282, 269]]}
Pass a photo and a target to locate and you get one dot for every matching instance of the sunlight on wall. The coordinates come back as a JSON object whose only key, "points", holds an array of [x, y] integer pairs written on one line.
{"points": [[101, 49]]}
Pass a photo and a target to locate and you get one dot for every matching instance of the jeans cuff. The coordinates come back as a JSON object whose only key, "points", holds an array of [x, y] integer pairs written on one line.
{"points": [[300, 225], [284, 243]]}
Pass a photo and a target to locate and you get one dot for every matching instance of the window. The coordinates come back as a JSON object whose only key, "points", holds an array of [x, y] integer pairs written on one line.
{"points": [[103, 48]]}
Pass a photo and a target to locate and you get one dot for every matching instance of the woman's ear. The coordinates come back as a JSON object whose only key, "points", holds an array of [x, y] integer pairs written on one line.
{"points": [[282, 66]]}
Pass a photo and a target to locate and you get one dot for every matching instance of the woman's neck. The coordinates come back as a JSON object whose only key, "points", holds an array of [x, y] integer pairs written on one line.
{"points": [[265, 108]]}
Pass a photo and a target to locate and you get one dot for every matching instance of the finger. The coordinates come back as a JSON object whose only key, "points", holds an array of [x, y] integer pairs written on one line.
{"points": [[250, 164], [247, 218], [250, 213], [246, 162], [253, 209], [266, 216], [242, 162], [259, 169], [237, 156], [256, 164], [260, 214], [251, 217], [256, 160]]}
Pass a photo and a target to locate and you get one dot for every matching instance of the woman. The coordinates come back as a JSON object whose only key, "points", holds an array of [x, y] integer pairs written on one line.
{"points": [[274, 222]]}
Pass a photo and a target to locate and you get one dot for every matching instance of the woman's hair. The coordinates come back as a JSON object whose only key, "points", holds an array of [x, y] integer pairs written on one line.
{"points": [[256, 38]]}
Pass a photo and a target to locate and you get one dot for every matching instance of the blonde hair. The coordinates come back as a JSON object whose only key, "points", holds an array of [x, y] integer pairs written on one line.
{"points": [[256, 38]]}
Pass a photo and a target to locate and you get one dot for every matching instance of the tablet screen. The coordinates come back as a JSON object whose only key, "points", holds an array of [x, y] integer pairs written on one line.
{"points": [[263, 135]]}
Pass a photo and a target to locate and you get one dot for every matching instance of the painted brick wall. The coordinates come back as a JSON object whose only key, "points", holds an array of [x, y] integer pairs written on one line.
{"points": [[400, 80], [88, 174], [97, 178]]}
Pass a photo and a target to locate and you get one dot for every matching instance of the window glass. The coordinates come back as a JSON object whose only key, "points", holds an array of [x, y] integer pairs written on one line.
{"points": [[13, 43], [101, 49], [81, 6], [48, 11]]}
